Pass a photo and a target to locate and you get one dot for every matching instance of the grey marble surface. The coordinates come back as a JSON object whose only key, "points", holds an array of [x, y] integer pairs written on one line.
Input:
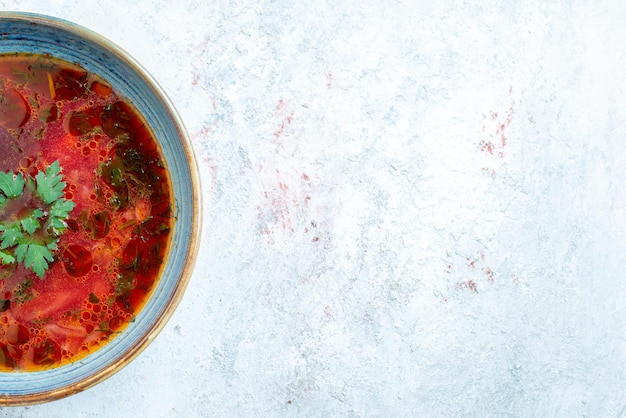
{"points": [[411, 208]]}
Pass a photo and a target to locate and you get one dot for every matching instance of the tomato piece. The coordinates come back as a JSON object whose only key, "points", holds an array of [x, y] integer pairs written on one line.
{"points": [[14, 110], [77, 260], [46, 353]]}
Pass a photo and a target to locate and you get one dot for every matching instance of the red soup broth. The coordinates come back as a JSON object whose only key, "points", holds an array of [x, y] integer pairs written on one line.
{"points": [[110, 255]]}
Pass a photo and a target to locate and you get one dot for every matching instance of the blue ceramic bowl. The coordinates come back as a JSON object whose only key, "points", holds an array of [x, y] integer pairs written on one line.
{"points": [[30, 33]]}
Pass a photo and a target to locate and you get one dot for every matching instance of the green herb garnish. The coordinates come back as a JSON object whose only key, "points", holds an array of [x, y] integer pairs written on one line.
{"points": [[33, 215]]}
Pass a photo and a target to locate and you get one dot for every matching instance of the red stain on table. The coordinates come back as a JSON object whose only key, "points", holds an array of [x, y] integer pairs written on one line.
{"points": [[467, 284], [495, 129], [471, 272], [284, 204], [285, 114]]}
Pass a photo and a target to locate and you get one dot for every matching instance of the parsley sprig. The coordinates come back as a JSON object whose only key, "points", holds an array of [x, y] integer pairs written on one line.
{"points": [[33, 215]]}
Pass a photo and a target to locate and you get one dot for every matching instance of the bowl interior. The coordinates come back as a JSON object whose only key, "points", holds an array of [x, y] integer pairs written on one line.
{"points": [[29, 33]]}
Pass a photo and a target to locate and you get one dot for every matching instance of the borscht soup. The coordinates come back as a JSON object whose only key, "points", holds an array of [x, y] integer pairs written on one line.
{"points": [[85, 212]]}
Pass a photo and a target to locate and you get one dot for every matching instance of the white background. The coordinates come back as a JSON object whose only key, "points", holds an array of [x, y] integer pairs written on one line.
{"points": [[410, 208]]}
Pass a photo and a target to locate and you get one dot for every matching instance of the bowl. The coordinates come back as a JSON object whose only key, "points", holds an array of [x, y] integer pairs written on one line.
{"points": [[38, 34]]}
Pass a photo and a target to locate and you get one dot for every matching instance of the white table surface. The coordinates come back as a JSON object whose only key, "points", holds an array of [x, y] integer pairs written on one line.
{"points": [[411, 208]]}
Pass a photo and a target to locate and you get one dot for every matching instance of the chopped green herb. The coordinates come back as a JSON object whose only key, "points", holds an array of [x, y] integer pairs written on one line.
{"points": [[11, 185], [49, 185], [5, 304], [125, 283], [24, 292], [30, 224], [28, 236], [35, 256], [6, 258], [10, 235]]}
